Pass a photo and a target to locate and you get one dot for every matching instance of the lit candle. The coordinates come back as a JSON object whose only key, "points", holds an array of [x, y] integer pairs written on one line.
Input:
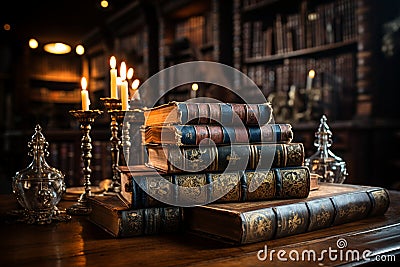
{"points": [[310, 77], [124, 87], [113, 77], [85, 95]]}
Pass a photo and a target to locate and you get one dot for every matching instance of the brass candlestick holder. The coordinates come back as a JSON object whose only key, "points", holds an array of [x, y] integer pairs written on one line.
{"points": [[86, 119], [113, 107]]}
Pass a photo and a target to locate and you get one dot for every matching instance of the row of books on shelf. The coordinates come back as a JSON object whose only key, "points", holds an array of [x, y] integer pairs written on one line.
{"points": [[279, 205], [313, 26], [334, 71], [198, 29]]}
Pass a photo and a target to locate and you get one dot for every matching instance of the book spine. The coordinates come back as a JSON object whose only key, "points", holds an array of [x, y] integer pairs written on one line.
{"points": [[150, 221], [224, 113], [215, 159], [297, 218], [268, 133], [277, 183]]}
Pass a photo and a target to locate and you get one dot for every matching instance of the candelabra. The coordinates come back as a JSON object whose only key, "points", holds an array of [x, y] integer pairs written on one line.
{"points": [[113, 107], [86, 119]]}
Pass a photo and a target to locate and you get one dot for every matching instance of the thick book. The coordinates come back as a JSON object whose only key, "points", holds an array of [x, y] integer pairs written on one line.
{"points": [[217, 134], [112, 214], [276, 183], [177, 159], [330, 205], [208, 113]]}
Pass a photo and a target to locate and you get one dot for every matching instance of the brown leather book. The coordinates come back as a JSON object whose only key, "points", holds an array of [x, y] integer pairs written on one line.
{"points": [[330, 205], [208, 113], [175, 159], [218, 134]]}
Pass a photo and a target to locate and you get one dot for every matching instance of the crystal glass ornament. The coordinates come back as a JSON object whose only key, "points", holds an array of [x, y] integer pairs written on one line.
{"points": [[328, 166], [39, 187]]}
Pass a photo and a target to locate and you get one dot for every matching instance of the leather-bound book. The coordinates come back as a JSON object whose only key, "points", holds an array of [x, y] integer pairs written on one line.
{"points": [[111, 214], [175, 159], [277, 183], [208, 113], [330, 205], [218, 134]]}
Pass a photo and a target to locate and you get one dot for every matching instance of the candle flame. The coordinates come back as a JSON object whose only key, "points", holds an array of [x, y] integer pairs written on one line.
{"points": [[113, 62], [123, 71], [84, 83], [311, 74], [129, 75], [135, 84]]}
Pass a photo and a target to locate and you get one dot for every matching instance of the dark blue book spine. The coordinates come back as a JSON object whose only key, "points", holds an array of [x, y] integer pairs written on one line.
{"points": [[226, 114], [188, 134], [265, 114], [254, 134]]}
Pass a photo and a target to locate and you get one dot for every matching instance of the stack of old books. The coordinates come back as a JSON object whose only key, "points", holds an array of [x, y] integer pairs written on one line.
{"points": [[239, 177]]}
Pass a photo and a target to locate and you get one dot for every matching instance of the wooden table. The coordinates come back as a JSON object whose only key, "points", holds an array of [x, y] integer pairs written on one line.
{"points": [[81, 243]]}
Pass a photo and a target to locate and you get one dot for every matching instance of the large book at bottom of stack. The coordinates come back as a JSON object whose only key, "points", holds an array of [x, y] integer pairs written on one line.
{"points": [[332, 204], [113, 215]]}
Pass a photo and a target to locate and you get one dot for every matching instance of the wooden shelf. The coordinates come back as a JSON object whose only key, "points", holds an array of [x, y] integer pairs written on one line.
{"points": [[56, 78], [302, 52]]}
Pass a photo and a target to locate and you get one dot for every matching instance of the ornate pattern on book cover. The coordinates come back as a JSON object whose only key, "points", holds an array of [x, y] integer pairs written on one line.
{"points": [[217, 158], [277, 183], [332, 204], [114, 216]]}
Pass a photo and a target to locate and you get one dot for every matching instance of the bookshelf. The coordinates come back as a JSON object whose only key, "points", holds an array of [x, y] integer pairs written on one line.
{"points": [[190, 31], [282, 41]]}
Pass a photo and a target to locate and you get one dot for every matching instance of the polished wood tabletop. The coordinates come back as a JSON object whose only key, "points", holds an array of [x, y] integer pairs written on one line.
{"points": [[79, 242]]}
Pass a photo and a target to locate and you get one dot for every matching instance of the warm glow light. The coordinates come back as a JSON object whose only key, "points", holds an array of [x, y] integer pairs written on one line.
{"points": [[311, 74], [135, 84], [33, 43], [57, 48], [195, 87], [80, 50], [7, 27], [122, 71], [312, 16], [113, 62], [104, 3], [129, 75], [84, 83]]}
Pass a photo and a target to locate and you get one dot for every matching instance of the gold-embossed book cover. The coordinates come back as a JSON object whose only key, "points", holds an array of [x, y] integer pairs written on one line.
{"points": [[249, 222]]}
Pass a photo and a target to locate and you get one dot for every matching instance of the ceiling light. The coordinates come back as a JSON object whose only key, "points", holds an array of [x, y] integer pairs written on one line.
{"points": [[104, 3], [7, 27], [80, 50], [57, 48], [33, 43]]}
